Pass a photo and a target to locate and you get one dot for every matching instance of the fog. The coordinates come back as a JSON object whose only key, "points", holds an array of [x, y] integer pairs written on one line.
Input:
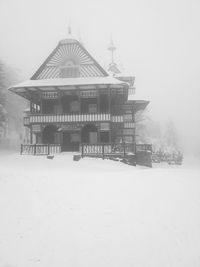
{"points": [[157, 41]]}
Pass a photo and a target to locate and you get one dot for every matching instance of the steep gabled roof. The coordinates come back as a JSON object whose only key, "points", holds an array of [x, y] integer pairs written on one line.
{"points": [[69, 52]]}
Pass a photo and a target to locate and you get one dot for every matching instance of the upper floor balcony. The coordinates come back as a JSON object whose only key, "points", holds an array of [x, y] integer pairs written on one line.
{"points": [[64, 118]]}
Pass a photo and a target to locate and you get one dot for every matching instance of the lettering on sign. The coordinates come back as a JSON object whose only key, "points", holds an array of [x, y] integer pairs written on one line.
{"points": [[70, 127]]}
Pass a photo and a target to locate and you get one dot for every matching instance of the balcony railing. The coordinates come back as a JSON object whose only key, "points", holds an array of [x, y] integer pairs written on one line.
{"points": [[144, 147], [102, 150], [34, 119], [94, 150], [114, 149], [40, 149]]}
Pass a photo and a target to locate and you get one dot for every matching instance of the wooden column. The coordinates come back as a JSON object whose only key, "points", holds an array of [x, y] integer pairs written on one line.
{"points": [[31, 105], [79, 99], [109, 110], [41, 103], [59, 102], [110, 132], [134, 130], [31, 135], [98, 133], [98, 101], [109, 100]]}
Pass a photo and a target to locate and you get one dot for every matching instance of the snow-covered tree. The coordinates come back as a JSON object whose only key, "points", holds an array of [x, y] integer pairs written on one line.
{"points": [[11, 106], [171, 138], [3, 113], [142, 120], [161, 134]]}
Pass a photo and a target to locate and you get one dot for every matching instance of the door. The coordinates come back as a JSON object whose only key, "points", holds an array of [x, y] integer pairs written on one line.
{"points": [[70, 141], [93, 137]]}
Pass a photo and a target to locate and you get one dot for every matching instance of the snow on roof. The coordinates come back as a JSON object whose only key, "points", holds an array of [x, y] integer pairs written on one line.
{"points": [[139, 104], [124, 74], [68, 82]]}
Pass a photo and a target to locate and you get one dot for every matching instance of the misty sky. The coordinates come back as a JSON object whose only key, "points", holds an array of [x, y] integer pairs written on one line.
{"points": [[157, 41]]}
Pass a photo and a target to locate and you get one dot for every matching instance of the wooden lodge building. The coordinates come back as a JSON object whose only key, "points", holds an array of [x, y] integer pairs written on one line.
{"points": [[75, 105]]}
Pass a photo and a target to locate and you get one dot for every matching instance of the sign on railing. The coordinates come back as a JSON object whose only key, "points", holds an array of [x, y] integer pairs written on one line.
{"points": [[120, 149], [115, 149]]}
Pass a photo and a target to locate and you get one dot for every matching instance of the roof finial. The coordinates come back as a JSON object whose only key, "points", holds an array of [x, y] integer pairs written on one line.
{"points": [[112, 48], [69, 27], [112, 66]]}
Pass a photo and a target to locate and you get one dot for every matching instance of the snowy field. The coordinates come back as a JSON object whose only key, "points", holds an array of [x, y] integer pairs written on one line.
{"points": [[96, 213]]}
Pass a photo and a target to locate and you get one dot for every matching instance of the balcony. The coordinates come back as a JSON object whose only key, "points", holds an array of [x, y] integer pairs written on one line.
{"points": [[35, 119]]}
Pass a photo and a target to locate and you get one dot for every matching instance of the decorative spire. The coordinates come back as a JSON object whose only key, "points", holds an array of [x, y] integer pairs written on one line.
{"points": [[112, 66], [69, 30], [112, 48]]}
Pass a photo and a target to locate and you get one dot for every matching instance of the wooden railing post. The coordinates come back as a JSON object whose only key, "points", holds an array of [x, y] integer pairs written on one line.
{"points": [[124, 150], [82, 150], [34, 149], [103, 151], [21, 150]]}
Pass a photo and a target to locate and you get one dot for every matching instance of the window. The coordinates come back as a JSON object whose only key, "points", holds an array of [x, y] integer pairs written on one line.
{"points": [[50, 95], [69, 69], [36, 128], [129, 125], [128, 139], [88, 94], [128, 131], [104, 126], [92, 108], [128, 117], [74, 106]]}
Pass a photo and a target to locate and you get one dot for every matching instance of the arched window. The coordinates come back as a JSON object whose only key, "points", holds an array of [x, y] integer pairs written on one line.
{"points": [[69, 69]]}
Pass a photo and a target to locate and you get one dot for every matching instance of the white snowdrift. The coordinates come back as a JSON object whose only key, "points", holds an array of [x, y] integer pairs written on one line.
{"points": [[97, 213]]}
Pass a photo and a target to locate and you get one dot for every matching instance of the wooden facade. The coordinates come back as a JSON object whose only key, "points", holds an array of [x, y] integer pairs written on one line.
{"points": [[76, 106]]}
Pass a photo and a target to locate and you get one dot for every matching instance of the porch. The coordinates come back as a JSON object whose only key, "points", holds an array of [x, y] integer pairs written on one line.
{"points": [[85, 149]]}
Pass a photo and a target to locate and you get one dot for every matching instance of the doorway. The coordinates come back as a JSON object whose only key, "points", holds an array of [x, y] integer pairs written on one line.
{"points": [[71, 141], [89, 134], [48, 136]]}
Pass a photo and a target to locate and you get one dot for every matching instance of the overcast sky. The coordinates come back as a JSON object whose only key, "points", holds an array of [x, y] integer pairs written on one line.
{"points": [[157, 41]]}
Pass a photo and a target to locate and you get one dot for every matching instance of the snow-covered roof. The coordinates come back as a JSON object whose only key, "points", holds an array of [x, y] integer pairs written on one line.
{"points": [[45, 84], [138, 104]]}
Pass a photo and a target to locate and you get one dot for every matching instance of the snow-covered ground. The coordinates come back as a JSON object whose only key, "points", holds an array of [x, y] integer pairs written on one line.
{"points": [[95, 213]]}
